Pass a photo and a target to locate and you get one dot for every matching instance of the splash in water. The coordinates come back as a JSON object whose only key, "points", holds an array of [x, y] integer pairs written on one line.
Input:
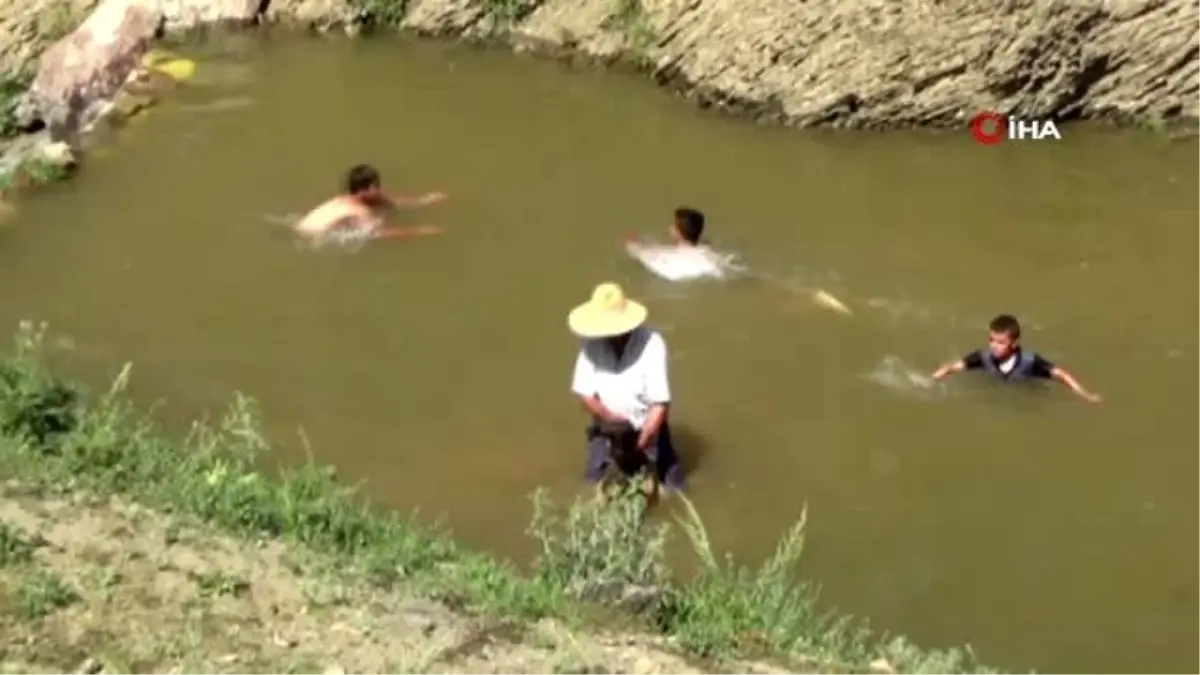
{"points": [[347, 239], [893, 373], [680, 263]]}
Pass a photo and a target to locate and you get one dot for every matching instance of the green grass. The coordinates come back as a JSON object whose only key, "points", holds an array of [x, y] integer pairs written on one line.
{"points": [[502, 15], [630, 18], [30, 174], [15, 547], [41, 594], [380, 13], [55, 438], [11, 88]]}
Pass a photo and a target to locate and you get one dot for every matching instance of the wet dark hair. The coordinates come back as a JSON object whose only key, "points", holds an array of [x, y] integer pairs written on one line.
{"points": [[690, 224], [361, 177], [1007, 324]]}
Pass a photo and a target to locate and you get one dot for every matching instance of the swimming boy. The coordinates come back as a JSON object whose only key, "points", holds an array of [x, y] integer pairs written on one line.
{"points": [[687, 257], [687, 228], [361, 206], [1005, 359]]}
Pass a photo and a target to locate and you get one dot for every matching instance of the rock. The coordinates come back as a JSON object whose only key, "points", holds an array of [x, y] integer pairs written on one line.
{"points": [[187, 14], [319, 15], [877, 63], [283, 641], [445, 17], [335, 670], [36, 148], [631, 598], [881, 666], [91, 666], [80, 72], [58, 154], [27, 27], [25, 114]]}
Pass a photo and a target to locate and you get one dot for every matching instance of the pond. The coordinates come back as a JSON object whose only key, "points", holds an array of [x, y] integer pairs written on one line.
{"points": [[1047, 532]]}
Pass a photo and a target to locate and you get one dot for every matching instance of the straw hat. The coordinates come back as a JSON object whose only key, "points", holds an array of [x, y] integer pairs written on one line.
{"points": [[608, 314]]}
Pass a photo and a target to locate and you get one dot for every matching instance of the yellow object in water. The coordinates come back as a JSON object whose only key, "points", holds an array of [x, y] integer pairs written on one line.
{"points": [[169, 64], [827, 301], [178, 69]]}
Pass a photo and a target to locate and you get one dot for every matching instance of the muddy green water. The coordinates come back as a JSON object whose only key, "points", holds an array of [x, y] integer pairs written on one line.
{"points": [[1048, 533]]}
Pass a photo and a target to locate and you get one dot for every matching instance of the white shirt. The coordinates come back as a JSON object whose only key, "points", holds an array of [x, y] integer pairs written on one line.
{"points": [[679, 263], [631, 385]]}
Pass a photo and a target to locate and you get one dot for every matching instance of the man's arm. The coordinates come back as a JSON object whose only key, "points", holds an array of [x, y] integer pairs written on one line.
{"points": [[406, 201], [971, 361], [397, 232], [583, 385], [1046, 370], [658, 390]]}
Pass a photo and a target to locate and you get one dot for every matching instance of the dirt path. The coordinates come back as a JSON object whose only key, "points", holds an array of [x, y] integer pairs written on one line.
{"points": [[106, 586]]}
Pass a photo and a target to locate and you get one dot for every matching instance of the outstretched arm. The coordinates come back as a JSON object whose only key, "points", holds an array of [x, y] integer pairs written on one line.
{"points": [[398, 232], [1047, 370], [948, 369], [1068, 379], [406, 201], [969, 362]]}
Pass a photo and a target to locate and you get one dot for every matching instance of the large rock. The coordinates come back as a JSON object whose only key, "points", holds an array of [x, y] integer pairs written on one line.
{"points": [[81, 72], [29, 26], [316, 14], [882, 63], [186, 14]]}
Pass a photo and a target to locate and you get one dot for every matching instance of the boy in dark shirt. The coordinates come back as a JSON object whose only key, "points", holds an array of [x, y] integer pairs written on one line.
{"points": [[1004, 358]]}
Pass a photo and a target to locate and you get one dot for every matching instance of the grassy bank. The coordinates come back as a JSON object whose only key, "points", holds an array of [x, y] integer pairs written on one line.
{"points": [[75, 458]]}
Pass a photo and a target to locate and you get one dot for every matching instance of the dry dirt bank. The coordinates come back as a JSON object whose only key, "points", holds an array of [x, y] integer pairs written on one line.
{"points": [[101, 585]]}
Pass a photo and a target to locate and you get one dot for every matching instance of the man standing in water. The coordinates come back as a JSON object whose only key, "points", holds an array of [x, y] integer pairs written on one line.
{"points": [[1004, 359], [361, 207], [621, 380]]}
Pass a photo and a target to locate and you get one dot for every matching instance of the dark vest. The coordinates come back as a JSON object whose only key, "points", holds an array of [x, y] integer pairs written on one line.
{"points": [[1020, 371]]}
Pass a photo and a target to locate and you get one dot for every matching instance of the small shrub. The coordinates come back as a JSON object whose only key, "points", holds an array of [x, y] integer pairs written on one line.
{"points": [[15, 548], [34, 406], [11, 88], [502, 15], [629, 17], [380, 13], [42, 594], [599, 543]]}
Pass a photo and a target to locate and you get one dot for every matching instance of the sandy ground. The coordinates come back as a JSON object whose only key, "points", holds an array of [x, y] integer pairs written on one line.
{"points": [[105, 586]]}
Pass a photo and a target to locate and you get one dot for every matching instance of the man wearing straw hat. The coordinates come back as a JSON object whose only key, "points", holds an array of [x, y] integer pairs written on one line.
{"points": [[621, 379]]}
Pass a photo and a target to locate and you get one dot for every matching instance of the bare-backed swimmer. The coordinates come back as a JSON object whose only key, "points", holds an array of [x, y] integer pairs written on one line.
{"points": [[690, 257], [361, 208]]}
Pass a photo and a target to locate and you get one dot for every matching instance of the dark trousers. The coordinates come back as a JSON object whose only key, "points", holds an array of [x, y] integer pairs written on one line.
{"points": [[606, 450]]}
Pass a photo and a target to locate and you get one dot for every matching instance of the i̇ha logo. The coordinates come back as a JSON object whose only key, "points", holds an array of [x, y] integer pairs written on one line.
{"points": [[990, 128]]}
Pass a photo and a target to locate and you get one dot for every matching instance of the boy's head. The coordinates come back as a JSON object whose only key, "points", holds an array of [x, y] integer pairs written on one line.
{"points": [[1004, 336], [688, 226], [363, 182]]}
